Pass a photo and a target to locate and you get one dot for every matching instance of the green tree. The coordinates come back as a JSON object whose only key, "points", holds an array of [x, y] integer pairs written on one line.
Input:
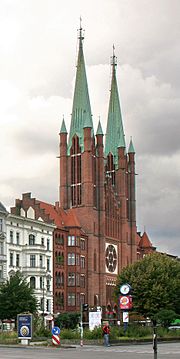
{"points": [[68, 320], [166, 317], [155, 281], [16, 297]]}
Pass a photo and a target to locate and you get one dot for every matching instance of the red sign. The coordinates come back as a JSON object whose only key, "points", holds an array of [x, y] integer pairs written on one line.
{"points": [[125, 302]]}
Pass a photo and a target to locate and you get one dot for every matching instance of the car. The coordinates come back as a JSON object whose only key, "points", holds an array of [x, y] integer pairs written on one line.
{"points": [[174, 327]]}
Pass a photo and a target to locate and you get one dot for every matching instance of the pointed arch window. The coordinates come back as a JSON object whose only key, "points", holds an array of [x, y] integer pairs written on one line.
{"points": [[94, 175], [110, 168], [75, 172]]}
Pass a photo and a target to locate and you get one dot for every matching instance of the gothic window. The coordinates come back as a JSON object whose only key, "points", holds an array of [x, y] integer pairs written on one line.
{"points": [[110, 168], [94, 176], [75, 172]]}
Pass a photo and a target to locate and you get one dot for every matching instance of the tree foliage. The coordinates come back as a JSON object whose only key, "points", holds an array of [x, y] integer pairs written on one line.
{"points": [[155, 281], [16, 297], [68, 320]]}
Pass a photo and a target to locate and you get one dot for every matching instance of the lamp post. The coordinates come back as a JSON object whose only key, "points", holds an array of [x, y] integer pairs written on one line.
{"points": [[43, 299]]}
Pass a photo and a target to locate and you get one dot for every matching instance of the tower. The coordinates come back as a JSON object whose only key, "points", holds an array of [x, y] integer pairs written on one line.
{"points": [[97, 184]]}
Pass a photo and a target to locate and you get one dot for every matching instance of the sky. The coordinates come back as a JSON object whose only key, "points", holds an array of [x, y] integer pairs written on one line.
{"points": [[38, 53]]}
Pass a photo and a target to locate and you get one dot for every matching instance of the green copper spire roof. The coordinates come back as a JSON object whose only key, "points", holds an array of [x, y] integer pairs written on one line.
{"points": [[131, 147], [114, 131], [63, 127], [99, 129], [81, 113]]}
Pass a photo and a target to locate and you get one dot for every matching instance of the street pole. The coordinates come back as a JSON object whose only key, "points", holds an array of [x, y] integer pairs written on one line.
{"points": [[81, 325], [155, 339]]}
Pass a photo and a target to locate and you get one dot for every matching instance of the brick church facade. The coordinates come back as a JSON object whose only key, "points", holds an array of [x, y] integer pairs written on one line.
{"points": [[95, 217]]}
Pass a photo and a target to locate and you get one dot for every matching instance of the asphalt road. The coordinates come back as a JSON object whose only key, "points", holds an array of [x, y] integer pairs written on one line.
{"points": [[165, 351]]}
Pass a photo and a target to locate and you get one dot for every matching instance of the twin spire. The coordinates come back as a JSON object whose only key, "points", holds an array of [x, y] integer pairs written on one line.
{"points": [[81, 116]]}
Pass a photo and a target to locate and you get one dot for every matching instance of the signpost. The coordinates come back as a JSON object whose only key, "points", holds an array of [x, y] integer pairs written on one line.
{"points": [[24, 327], [125, 303], [56, 335]]}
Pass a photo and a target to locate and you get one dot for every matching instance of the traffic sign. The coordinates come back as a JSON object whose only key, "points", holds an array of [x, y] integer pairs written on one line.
{"points": [[56, 340], [56, 331]]}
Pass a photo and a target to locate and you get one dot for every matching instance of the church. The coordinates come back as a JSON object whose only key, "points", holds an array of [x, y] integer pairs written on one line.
{"points": [[95, 233]]}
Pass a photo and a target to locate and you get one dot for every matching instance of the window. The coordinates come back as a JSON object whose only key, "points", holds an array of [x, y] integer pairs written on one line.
{"points": [[82, 262], [31, 239], [71, 299], [33, 282], [1, 225], [48, 305], [11, 236], [1, 272], [41, 261], [17, 260], [41, 282], [48, 264], [48, 284], [42, 241], [71, 240], [32, 261], [48, 244], [82, 244], [77, 241], [42, 304], [77, 259], [82, 281], [75, 153], [17, 238], [71, 259], [71, 279], [77, 279], [1, 248], [82, 298], [11, 259]]}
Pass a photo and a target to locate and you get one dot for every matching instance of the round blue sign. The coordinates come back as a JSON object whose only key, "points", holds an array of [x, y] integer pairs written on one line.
{"points": [[56, 330]]}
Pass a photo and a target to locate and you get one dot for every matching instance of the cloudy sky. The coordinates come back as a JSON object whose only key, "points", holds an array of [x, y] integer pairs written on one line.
{"points": [[38, 52]]}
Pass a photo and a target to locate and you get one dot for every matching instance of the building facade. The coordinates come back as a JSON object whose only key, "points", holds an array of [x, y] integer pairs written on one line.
{"points": [[95, 233], [97, 184], [3, 246], [29, 242]]}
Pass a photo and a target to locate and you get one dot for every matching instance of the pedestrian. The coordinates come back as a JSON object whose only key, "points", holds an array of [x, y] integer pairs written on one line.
{"points": [[106, 332]]}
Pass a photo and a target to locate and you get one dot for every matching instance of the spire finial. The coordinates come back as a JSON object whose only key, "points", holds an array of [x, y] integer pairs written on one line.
{"points": [[114, 58], [81, 35]]}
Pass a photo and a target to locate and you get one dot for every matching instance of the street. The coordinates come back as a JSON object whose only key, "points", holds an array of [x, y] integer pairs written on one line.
{"points": [[168, 350]]}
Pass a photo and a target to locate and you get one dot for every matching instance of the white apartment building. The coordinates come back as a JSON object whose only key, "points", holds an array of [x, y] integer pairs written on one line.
{"points": [[3, 248], [30, 250]]}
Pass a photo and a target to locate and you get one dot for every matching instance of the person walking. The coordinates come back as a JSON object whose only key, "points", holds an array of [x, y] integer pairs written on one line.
{"points": [[106, 332]]}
